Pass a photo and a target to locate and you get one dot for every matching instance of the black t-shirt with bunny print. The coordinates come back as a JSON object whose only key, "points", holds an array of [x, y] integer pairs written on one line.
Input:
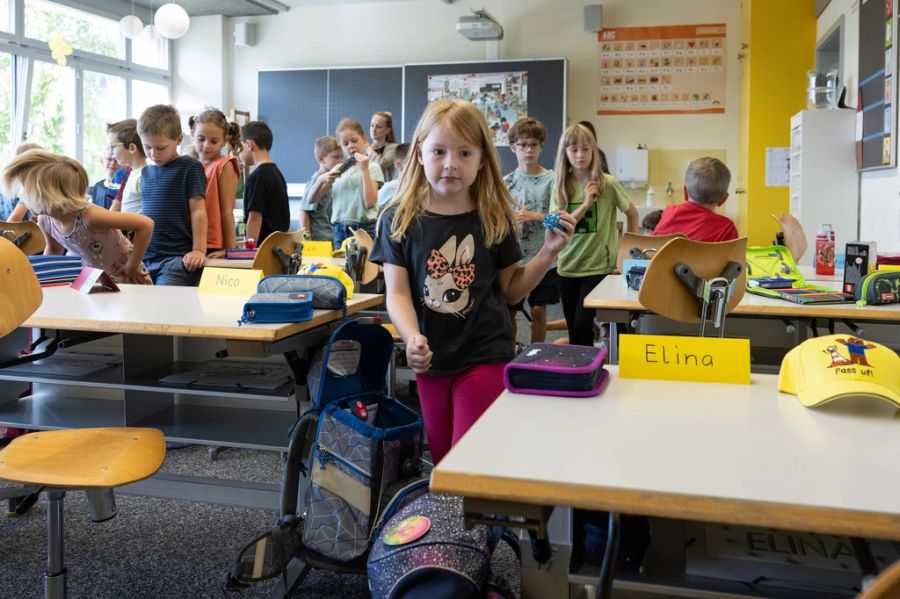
{"points": [[455, 291]]}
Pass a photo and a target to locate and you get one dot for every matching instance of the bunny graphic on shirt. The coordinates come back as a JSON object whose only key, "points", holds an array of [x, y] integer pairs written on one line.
{"points": [[450, 273]]}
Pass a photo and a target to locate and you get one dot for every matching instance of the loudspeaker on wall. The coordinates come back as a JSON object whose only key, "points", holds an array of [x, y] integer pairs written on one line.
{"points": [[593, 17], [245, 34]]}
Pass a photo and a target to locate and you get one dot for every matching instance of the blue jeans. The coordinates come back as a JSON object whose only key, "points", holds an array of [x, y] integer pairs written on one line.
{"points": [[171, 271], [342, 231]]}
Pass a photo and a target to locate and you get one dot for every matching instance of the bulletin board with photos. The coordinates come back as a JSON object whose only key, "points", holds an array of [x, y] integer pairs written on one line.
{"points": [[678, 69], [876, 126]]}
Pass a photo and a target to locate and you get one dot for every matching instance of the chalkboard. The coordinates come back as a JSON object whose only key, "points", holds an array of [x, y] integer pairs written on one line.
{"points": [[301, 105], [877, 83], [546, 97]]}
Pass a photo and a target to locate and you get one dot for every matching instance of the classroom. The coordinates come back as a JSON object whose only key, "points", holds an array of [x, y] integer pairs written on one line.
{"points": [[252, 345]]}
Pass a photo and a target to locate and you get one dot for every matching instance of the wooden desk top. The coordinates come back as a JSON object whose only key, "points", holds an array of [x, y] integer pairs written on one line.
{"points": [[247, 263], [739, 454], [613, 294], [173, 311]]}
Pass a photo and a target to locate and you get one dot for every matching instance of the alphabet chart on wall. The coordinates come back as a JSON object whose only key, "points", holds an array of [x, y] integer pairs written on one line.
{"points": [[677, 69]]}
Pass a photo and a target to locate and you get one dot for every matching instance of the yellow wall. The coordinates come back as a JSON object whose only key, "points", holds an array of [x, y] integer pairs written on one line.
{"points": [[781, 40]]}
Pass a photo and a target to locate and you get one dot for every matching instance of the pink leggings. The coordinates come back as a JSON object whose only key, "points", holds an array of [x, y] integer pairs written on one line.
{"points": [[452, 403]]}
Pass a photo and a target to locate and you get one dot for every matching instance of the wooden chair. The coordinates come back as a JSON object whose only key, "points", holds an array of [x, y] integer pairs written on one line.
{"points": [[885, 586], [266, 261], [794, 236], [641, 242], [56, 461], [663, 291], [26, 235]]}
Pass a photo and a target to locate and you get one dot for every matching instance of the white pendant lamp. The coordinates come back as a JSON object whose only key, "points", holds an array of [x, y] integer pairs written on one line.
{"points": [[150, 33], [130, 26], [171, 20]]}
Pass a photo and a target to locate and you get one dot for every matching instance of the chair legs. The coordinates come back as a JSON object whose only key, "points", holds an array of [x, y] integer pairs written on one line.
{"points": [[55, 576]]}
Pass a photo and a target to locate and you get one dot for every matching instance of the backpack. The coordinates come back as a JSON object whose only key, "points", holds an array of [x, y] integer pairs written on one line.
{"points": [[361, 451], [425, 552]]}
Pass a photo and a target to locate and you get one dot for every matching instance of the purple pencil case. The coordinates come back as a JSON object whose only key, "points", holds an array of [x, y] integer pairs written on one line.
{"points": [[553, 369]]}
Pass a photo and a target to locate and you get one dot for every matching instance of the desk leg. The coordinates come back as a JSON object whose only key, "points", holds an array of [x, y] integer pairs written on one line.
{"points": [[141, 353]]}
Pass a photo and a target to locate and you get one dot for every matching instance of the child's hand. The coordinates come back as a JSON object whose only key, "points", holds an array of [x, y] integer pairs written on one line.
{"points": [[591, 192], [193, 260], [418, 354], [134, 274], [328, 177], [362, 161], [554, 239], [525, 216], [216, 254]]}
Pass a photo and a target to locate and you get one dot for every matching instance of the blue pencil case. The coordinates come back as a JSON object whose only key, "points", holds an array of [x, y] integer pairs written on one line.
{"points": [[271, 307]]}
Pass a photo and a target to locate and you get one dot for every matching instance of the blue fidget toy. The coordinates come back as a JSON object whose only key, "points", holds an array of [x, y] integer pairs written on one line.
{"points": [[551, 221]]}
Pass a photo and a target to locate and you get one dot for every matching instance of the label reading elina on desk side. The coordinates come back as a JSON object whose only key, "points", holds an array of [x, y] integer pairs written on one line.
{"points": [[699, 359], [234, 281]]}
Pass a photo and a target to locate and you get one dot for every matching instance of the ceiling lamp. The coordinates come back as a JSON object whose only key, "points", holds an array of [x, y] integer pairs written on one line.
{"points": [[150, 33], [130, 26], [171, 20]]}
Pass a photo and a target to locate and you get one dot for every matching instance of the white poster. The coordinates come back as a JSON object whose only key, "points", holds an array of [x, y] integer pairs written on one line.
{"points": [[501, 97]]}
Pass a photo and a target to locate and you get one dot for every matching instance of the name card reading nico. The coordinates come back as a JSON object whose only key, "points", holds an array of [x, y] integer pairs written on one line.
{"points": [[234, 281], [700, 359]]}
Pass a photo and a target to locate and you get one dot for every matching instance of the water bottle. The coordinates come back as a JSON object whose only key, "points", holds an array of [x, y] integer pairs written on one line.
{"points": [[650, 195], [825, 250]]}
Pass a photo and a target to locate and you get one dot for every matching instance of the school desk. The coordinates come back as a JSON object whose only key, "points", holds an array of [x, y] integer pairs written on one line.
{"points": [[247, 263], [768, 322], [735, 454], [164, 330]]}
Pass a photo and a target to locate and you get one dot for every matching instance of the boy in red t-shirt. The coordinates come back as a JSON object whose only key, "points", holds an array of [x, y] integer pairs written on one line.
{"points": [[705, 188]]}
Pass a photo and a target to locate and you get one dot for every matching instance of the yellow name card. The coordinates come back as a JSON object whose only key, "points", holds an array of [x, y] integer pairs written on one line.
{"points": [[317, 248], [700, 359], [234, 281]]}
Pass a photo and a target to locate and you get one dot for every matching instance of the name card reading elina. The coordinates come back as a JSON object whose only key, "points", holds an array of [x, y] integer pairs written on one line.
{"points": [[234, 281], [700, 359]]}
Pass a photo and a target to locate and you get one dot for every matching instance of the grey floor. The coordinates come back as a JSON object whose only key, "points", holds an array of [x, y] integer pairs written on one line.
{"points": [[170, 548]]}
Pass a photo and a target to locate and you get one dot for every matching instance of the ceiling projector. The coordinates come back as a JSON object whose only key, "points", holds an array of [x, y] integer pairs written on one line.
{"points": [[480, 26]]}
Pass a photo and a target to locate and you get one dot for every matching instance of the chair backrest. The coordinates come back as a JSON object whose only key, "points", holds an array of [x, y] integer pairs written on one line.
{"points": [[641, 242], [663, 292], [20, 292], [794, 235], [268, 262], [886, 586], [370, 269], [34, 244]]}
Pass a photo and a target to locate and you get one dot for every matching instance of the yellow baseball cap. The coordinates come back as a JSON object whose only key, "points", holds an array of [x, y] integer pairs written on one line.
{"points": [[822, 369]]}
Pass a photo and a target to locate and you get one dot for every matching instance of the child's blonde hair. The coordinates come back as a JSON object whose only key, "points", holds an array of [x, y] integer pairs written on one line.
{"points": [[564, 184], [46, 182], [160, 119], [230, 130], [492, 199], [352, 125], [326, 144]]}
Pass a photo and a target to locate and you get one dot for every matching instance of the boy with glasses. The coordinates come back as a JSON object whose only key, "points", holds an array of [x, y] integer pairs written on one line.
{"points": [[530, 186], [125, 146]]}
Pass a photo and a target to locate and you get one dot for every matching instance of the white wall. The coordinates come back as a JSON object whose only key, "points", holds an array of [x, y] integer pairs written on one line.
{"points": [[201, 72], [879, 205], [370, 33]]}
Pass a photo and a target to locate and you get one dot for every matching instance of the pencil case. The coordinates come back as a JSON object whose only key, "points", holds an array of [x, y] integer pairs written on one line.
{"points": [[557, 369], [268, 307], [328, 293], [879, 287]]}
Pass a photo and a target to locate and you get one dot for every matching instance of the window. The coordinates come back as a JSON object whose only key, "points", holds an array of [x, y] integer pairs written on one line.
{"points": [[144, 94], [149, 53], [51, 112], [81, 30], [4, 15], [5, 107], [106, 105]]}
